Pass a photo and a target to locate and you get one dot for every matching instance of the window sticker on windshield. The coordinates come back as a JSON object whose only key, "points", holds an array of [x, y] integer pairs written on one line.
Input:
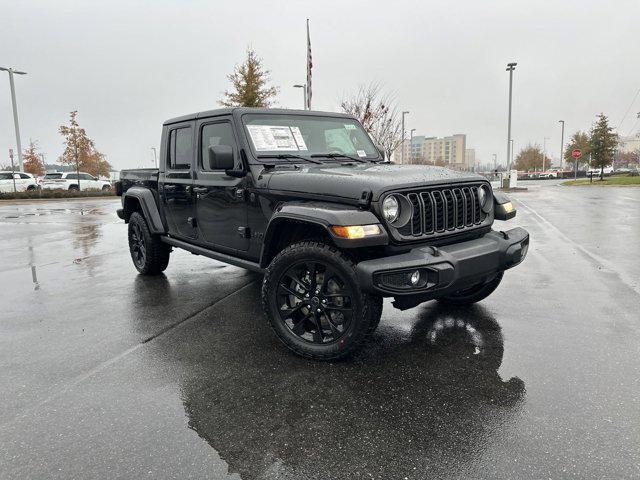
{"points": [[361, 153], [350, 126], [297, 136], [273, 138]]}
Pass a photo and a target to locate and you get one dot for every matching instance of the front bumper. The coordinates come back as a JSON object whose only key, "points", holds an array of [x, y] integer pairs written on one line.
{"points": [[443, 269]]}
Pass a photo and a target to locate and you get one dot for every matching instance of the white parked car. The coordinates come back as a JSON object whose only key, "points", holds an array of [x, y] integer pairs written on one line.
{"points": [[596, 171], [24, 181], [69, 181], [549, 174]]}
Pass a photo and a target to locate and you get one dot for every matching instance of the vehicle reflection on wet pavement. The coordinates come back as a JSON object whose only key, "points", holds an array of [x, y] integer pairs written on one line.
{"points": [[423, 398], [107, 374]]}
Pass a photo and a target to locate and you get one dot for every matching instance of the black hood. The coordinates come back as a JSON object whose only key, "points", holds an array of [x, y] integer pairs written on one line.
{"points": [[349, 181]]}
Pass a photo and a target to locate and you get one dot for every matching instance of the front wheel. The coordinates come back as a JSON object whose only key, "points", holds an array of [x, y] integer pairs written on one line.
{"points": [[312, 300], [473, 294], [150, 255]]}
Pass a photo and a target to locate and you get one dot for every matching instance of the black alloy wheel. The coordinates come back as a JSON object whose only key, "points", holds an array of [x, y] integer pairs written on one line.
{"points": [[312, 300], [315, 302], [138, 246], [150, 255]]}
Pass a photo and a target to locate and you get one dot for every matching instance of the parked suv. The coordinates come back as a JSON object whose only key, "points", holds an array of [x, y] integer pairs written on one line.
{"points": [[305, 198], [22, 181], [69, 181]]}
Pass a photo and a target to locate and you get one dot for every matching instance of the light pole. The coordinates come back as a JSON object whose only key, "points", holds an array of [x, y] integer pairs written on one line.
{"points": [[510, 68], [403, 134], [15, 111], [155, 156], [304, 93], [544, 151], [511, 159], [561, 145]]}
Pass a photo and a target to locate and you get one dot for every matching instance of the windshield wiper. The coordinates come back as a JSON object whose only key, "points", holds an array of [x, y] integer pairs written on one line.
{"points": [[285, 156], [339, 155]]}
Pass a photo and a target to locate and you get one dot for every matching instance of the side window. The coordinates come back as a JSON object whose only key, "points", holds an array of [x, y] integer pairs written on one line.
{"points": [[72, 176], [215, 134], [180, 149], [25, 176]]}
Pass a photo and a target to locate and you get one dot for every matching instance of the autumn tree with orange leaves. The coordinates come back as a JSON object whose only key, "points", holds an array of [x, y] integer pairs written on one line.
{"points": [[80, 150], [33, 164]]}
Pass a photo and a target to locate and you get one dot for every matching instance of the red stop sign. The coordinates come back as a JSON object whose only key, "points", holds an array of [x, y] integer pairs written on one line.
{"points": [[576, 153]]}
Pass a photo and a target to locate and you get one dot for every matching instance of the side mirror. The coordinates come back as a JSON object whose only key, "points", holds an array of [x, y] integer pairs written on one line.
{"points": [[221, 157]]}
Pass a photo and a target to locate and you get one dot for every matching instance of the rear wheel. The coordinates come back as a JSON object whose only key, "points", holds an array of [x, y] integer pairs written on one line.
{"points": [[74, 188], [312, 299], [473, 294], [149, 254], [106, 188]]}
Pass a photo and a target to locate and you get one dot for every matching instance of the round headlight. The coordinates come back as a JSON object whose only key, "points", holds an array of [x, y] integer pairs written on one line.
{"points": [[390, 209], [485, 198]]}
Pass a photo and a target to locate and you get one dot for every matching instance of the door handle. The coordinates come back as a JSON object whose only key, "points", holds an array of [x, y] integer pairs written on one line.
{"points": [[201, 189], [169, 188]]}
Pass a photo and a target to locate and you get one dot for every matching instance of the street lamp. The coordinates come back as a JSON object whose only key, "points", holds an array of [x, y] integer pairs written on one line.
{"points": [[15, 111], [561, 145], [403, 135], [510, 68], [304, 94]]}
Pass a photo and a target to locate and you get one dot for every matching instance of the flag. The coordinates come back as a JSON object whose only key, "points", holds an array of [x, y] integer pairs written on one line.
{"points": [[309, 67]]}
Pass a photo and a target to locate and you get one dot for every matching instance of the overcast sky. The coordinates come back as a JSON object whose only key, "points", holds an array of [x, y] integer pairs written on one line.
{"points": [[126, 66]]}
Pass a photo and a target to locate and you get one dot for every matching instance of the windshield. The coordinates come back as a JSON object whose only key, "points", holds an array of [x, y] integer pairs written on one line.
{"points": [[307, 135], [50, 176]]}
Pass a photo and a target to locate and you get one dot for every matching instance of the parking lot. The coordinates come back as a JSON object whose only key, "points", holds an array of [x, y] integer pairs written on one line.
{"points": [[107, 374]]}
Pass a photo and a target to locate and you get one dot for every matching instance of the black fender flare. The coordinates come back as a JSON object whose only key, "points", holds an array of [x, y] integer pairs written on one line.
{"points": [[325, 215], [149, 206]]}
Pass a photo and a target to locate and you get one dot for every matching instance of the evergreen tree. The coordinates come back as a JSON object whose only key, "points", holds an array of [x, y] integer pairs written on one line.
{"points": [[603, 144], [250, 85]]}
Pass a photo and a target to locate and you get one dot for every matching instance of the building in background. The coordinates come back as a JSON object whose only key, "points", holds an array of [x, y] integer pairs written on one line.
{"points": [[447, 151]]}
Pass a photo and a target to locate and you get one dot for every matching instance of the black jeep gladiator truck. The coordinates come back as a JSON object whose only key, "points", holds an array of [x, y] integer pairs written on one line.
{"points": [[305, 198]]}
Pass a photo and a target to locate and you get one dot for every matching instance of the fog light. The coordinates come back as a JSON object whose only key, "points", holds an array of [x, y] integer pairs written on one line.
{"points": [[415, 277]]}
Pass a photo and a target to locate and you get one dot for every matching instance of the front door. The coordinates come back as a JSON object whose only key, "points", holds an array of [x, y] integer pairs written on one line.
{"points": [[221, 208], [176, 181]]}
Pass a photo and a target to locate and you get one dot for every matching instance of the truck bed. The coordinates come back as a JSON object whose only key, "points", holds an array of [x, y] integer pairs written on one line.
{"points": [[146, 177]]}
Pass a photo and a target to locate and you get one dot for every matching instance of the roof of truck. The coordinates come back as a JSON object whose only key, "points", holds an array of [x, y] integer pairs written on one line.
{"points": [[229, 111]]}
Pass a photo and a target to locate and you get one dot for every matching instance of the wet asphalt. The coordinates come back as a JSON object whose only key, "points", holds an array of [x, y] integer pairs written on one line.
{"points": [[106, 374]]}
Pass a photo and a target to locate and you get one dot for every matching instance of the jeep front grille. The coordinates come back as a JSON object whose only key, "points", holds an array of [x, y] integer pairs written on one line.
{"points": [[439, 210]]}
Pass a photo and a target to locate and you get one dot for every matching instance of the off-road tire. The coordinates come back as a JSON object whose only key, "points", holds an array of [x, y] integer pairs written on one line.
{"points": [[360, 322], [473, 294], [156, 253]]}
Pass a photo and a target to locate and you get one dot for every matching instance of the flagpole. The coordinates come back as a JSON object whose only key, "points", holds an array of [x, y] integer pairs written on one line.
{"points": [[309, 67]]}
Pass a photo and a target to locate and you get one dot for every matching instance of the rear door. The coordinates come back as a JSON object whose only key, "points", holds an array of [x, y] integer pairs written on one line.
{"points": [[177, 181], [221, 208]]}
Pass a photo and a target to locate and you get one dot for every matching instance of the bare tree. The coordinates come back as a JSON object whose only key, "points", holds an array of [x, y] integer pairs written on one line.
{"points": [[378, 114]]}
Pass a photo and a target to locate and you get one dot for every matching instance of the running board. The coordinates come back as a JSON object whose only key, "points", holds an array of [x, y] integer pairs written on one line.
{"points": [[238, 262]]}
